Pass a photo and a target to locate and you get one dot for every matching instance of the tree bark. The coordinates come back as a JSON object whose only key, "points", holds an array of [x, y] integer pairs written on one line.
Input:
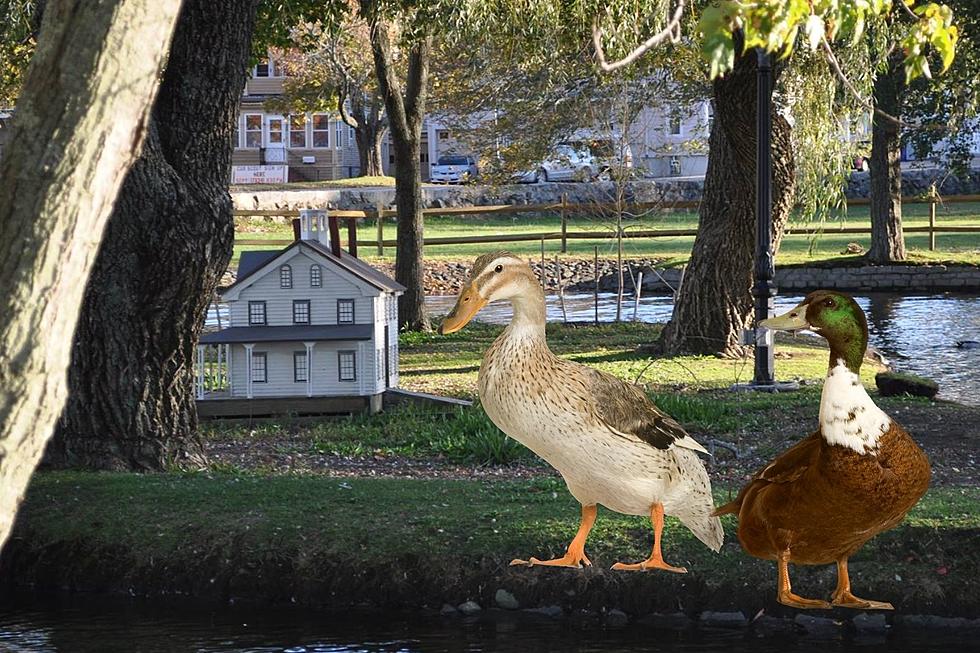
{"points": [[714, 304], [887, 239], [131, 403], [367, 120], [405, 113], [80, 122]]}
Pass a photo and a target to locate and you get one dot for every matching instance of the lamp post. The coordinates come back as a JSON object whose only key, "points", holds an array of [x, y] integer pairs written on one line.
{"points": [[763, 290]]}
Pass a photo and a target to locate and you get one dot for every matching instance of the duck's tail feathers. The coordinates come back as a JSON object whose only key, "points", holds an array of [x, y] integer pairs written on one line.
{"points": [[705, 526], [730, 508]]}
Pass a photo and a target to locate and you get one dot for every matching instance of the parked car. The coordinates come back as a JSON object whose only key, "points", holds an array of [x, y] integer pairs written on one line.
{"points": [[566, 163], [454, 169]]}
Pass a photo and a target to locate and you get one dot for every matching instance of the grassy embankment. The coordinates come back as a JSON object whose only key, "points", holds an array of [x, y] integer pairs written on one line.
{"points": [[796, 249], [314, 539]]}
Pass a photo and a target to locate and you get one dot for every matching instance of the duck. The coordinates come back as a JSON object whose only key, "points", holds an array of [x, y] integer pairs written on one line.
{"points": [[610, 443], [854, 477]]}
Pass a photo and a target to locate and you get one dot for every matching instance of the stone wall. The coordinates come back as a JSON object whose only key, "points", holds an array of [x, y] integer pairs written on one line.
{"points": [[915, 182], [916, 278]]}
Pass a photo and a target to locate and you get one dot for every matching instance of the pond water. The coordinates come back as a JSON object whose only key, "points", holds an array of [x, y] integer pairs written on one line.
{"points": [[916, 334], [63, 624]]}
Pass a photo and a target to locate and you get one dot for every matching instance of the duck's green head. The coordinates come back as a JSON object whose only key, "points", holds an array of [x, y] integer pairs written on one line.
{"points": [[834, 316]]}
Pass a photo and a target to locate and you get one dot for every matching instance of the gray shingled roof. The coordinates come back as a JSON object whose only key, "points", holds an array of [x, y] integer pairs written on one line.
{"points": [[316, 333], [252, 261]]}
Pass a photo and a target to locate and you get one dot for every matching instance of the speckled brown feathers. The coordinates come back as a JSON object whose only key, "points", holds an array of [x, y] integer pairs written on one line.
{"points": [[627, 409]]}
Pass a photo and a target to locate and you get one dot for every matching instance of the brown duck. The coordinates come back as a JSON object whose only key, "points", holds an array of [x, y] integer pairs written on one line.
{"points": [[856, 476]]}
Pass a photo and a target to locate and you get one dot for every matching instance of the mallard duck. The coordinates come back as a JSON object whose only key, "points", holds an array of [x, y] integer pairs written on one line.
{"points": [[610, 443], [855, 477]]}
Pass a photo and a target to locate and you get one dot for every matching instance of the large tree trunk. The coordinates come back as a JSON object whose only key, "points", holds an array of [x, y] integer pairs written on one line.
{"points": [[715, 302], [368, 137], [131, 402], [80, 122], [405, 115], [887, 239]]}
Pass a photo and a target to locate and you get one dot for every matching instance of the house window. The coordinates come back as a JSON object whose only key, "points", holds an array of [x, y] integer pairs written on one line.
{"points": [[301, 311], [259, 367], [350, 135], [321, 130], [338, 134], [253, 130], [285, 277], [347, 365], [380, 363], [297, 132], [300, 367], [345, 311], [675, 125], [316, 276], [256, 313], [443, 134], [264, 69]]}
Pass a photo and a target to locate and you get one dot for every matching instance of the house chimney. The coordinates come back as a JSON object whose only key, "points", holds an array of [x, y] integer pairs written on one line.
{"points": [[297, 234], [352, 236], [334, 236]]}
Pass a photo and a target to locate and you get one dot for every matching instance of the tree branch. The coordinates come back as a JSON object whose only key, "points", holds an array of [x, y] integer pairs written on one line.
{"points": [[672, 31], [348, 119], [867, 104], [416, 83]]}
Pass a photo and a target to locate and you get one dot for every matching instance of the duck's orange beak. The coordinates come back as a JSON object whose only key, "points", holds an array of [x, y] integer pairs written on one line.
{"points": [[467, 305]]}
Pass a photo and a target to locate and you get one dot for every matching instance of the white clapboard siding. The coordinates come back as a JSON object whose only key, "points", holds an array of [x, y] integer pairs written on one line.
{"points": [[326, 377], [336, 284]]}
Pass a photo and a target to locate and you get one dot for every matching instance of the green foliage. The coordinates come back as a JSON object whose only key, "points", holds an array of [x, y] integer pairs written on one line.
{"points": [[18, 30]]}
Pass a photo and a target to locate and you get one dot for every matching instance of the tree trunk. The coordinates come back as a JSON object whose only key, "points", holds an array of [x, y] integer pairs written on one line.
{"points": [[80, 122], [887, 239], [368, 137], [715, 302], [169, 240], [405, 113]]}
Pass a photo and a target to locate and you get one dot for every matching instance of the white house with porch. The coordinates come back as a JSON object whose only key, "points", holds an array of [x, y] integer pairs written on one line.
{"points": [[313, 329]]}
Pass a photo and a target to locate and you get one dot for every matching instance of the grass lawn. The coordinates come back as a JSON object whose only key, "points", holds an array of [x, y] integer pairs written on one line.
{"points": [[963, 248], [353, 182], [450, 539]]}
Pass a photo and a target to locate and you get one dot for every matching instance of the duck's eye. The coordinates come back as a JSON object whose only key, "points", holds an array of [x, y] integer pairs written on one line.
{"points": [[499, 268], [828, 302]]}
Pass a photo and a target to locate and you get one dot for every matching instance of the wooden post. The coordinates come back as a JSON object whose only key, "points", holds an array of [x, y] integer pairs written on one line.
{"points": [[379, 223], [544, 278], [564, 223], [561, 290], [352, 236], [639, 288], [595, 289], [933, 198]]}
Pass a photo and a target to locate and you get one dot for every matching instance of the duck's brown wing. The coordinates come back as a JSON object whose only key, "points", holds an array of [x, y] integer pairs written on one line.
{"points": [[789, 466], [627, 411]]}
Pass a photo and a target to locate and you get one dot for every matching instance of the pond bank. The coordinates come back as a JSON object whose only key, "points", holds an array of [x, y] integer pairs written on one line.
{"points": [[425, 544]]}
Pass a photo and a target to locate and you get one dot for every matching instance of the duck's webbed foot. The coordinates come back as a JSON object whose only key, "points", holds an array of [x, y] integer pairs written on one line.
{"points": [[656, 559], [785, 593], [843, 598], [575, 555]]}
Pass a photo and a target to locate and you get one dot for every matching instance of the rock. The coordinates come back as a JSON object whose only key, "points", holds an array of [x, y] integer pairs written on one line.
{"points": [[506, 600], [819, 627], [769, 626], [897, 383], [929, 622], [550, 611], [448, 610], [853, 248], [469, 608], [675, 621], [616, 619], [723, 619], [870, 624]]}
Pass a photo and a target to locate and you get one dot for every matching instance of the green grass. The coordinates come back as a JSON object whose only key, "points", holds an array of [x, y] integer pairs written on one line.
{"points": [[353, 182], [796, 249], [199, 525]]}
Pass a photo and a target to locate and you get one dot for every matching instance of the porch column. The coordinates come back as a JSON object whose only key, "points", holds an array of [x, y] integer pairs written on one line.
{"points": [[248, 370], [231, 383], [309, 368], [218, 374], [200, 371]]}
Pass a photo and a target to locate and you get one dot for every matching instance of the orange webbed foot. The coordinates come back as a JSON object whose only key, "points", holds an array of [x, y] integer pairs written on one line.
{"points": [[571, 560], [848, 600], [794, 601], [649, 565]]}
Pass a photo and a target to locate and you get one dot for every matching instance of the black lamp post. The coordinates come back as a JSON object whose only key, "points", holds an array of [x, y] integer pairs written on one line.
{"points": [[763, 290]]}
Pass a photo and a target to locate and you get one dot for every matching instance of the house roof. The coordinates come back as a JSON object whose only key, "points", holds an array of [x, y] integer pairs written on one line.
{"points": [[314, 333], [253, 261]]}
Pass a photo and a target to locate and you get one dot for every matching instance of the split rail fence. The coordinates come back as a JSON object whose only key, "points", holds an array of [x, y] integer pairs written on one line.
{"points": [[565, 209]]}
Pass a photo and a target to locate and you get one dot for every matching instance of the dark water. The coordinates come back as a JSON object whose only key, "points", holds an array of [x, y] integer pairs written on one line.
{"points": [[917, 334], [88, 625]]}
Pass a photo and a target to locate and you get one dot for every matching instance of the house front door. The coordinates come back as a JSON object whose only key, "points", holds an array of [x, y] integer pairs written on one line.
{"points": [[275, 139]]}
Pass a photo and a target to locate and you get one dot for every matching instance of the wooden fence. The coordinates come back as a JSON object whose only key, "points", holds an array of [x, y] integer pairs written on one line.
{"points": [[565, 209]]}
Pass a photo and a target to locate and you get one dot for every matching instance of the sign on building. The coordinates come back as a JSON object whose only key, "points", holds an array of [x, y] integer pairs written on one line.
{"points": [[259, 174]]}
